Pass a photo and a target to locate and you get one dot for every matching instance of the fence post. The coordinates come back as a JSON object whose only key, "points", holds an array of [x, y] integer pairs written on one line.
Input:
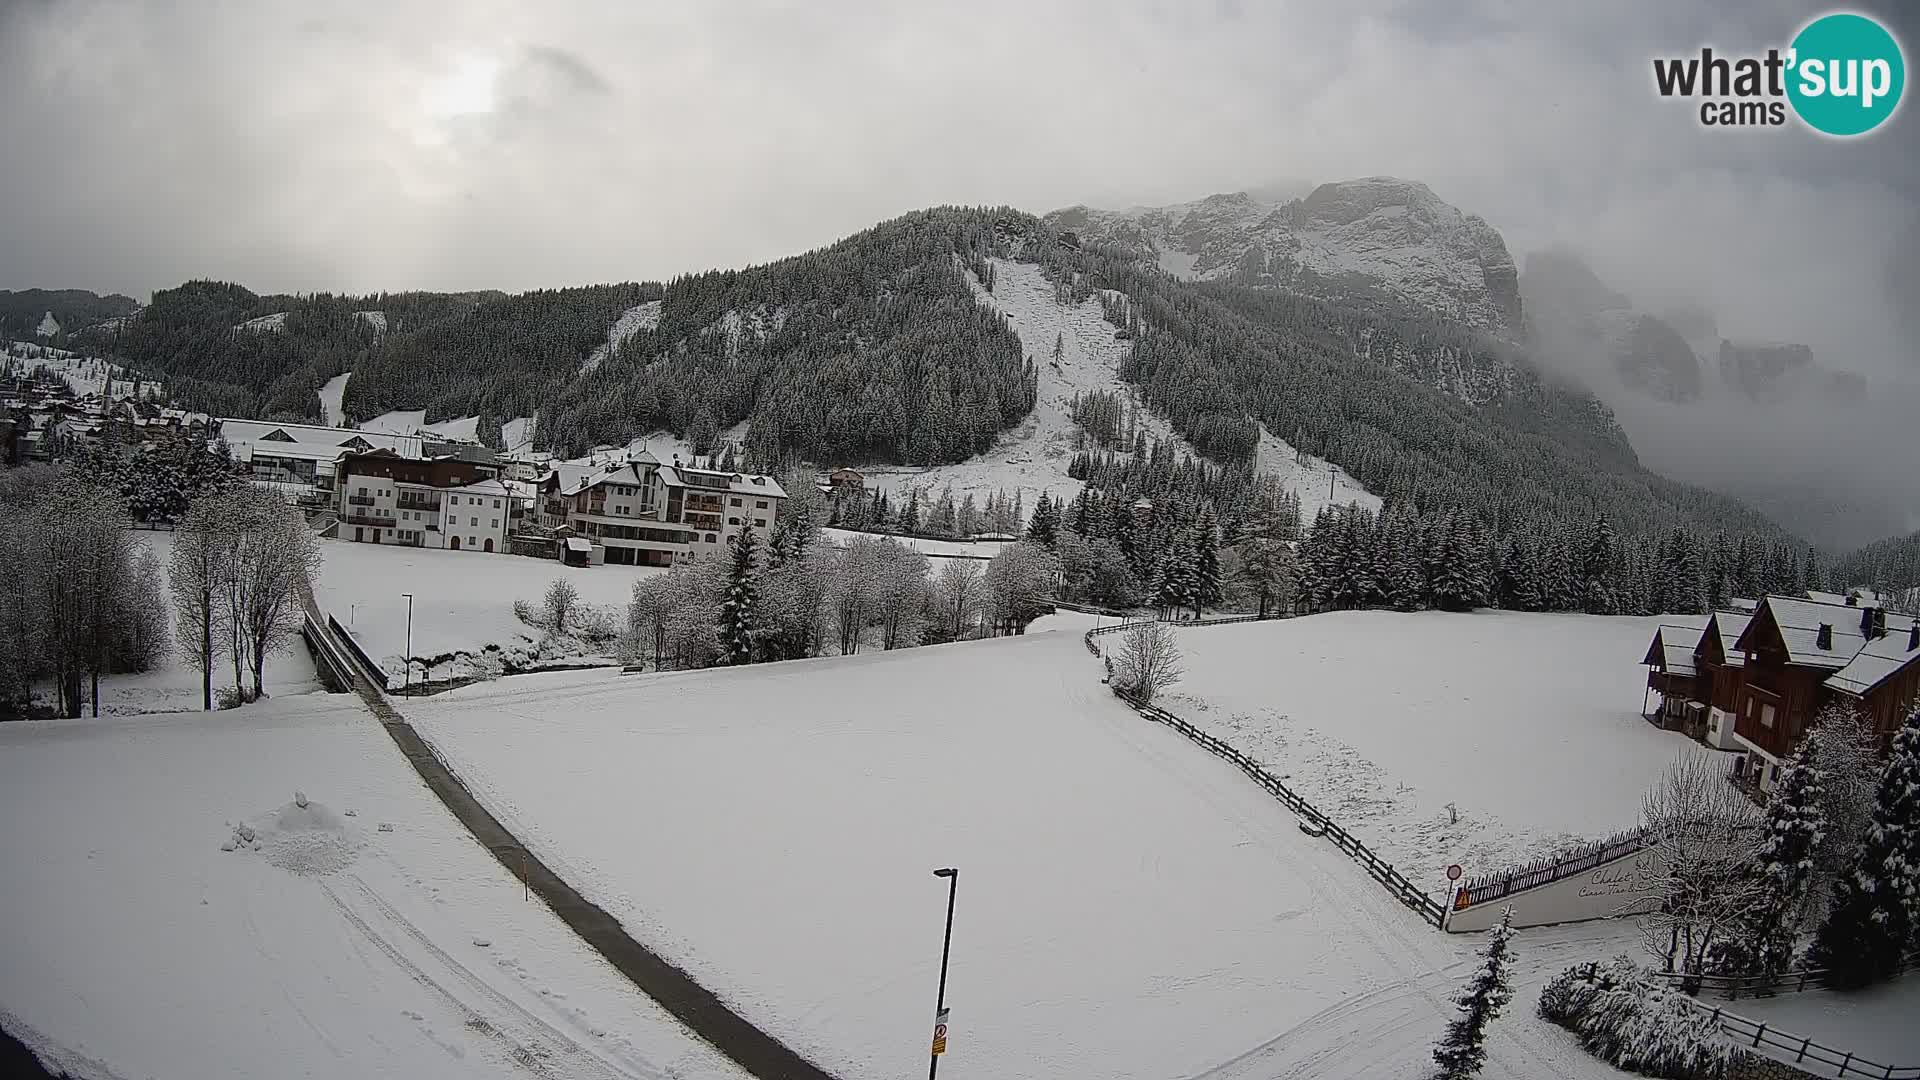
{"points": [[1804, 1043], [1762, 1030]]}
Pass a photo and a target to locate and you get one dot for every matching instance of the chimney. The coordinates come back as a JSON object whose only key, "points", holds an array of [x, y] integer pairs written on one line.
{"points": [[1824, 639], [1913, 637], [1879, 622], [1866, 623], [1853, 599]]}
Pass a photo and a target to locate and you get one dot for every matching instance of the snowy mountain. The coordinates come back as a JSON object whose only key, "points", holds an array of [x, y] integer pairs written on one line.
{"points": [[1376, 239]]}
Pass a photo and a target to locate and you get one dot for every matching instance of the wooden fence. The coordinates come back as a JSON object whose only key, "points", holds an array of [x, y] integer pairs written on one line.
{"points": [[1489, 887], [1732, 987], [1377, 868], [1794, 1049]]}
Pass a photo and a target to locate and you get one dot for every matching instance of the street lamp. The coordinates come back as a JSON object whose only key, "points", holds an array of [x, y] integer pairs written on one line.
{"points": [[946, 948], [407, 683]]}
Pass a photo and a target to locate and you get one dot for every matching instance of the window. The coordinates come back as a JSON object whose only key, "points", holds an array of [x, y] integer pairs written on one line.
{"points": [[470, 541], [733, 502], [496, 523], [496, 504], [362, 491], [1766, 716], [760, 522], [733, 521], [710, 538], [473, 522], [760, 504]]}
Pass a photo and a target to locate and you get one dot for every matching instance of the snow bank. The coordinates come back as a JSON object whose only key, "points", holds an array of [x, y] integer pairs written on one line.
{"points": [[1527, 724], [134, 943]]}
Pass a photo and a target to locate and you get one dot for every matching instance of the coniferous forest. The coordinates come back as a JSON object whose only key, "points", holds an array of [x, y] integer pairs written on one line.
{"points": [[875, 350]]}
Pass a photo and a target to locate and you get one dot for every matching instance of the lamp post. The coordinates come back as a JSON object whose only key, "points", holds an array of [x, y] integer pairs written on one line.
{"points": [[407, 683], [946, 949]]}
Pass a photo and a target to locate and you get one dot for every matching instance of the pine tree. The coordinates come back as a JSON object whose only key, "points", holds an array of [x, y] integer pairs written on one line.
{"points": [[1810, 576], [1795, 826], [1870, 924], [1044, 526], [737, 612], [1680, 576], [1206, 562], [1173, 579], [1596, 594], [1463, 1049]]}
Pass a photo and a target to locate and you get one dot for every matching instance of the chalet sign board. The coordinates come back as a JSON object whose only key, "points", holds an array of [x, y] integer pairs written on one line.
{"points": [[1624, 886]]}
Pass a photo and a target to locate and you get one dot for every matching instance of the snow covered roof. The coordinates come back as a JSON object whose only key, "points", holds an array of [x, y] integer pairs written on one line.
{"points": [[1861, 598], [1879, 660], [1672, 648], [579, 543], [1799, 622], [240, 432], [1728, 626], [484, 487], [765, 487]]}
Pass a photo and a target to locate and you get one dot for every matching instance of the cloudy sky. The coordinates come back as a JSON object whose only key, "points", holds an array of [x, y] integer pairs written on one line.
{"points": [[447, 145]]}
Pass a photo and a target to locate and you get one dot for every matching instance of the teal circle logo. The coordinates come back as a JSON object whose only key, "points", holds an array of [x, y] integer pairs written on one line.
{"points": [[1846, 74]]}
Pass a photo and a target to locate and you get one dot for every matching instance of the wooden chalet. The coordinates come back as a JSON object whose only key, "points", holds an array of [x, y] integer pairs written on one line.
{"points": [[1672, 673], [1798, 655], [1722, 669]]}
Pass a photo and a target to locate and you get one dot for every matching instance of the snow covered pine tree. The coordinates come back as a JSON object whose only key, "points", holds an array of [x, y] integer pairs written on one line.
{"points": [[737, 611], [1463, 1049], [1871, 924]]}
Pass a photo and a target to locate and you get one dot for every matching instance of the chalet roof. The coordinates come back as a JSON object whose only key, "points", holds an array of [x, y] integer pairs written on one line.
{"points": [[1799, 621], [484, 487], [764, 487], [1879, 660], [1729, 625], [1672, 648], [1861, 598], [241, 434]]}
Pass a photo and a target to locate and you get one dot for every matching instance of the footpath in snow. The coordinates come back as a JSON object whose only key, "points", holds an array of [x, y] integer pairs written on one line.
{"points": [[1527, 724], [1128, 905], [172, 910]]}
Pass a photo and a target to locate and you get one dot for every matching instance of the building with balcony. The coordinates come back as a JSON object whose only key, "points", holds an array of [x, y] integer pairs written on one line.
{"points": [[300, 460], [641, 512], [1799, 655], [444, 502]]}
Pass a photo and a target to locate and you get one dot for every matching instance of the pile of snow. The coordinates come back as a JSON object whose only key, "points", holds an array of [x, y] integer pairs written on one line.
{"points": [[49, 325], [302, 837], [631, 321], [1524, 727], [274, 322], [134, 948]]}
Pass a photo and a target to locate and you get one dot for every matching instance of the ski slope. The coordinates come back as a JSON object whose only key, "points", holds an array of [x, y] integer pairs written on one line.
{"points": [[1318, 482], [631, 321], [1034, 456], [332, 412], [1128, 906], [364, 935], [1528, 724]]}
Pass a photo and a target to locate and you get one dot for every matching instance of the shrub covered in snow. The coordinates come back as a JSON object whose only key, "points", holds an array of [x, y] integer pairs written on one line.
{"points": [[1632, 1019]]}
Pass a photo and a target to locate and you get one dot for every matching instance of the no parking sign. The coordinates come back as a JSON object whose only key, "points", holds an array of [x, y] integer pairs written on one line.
{"points": [[940, 1032]]}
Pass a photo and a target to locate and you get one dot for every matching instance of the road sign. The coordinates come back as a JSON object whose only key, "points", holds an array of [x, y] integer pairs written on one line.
{"points": [[940, 1033], [1453, 872]]}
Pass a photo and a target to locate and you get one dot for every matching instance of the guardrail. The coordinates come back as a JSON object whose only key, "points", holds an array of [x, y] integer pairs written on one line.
{"points": [[1377, 868], [1487, 888], [366, 663], [1754, 1035]]}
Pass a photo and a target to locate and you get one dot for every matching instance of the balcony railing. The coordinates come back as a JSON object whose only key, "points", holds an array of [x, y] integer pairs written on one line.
{"points": [[360, 500], [418, 504], [369, 519]]}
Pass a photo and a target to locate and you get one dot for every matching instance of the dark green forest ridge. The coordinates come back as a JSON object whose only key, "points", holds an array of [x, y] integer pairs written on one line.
{"points": [[874, 349]]}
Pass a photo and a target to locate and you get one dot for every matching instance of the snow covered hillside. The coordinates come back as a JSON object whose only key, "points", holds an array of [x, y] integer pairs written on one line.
{"points": [[1034, 456], [83, 374], [265, 323], [1128, 905], [1318, 482], [414, 422], [463, 621], [1528, 724], [631, 321], [364, 934]]}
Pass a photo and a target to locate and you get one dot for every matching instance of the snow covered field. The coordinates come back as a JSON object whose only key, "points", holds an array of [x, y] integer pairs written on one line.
{"points": [[1529, 724], [462, 603], [364, 935], [1129, 906], [1876, 1024]]}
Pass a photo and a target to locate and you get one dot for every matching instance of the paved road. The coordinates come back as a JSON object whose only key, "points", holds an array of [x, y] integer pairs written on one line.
{"points": [[754, 1050]]}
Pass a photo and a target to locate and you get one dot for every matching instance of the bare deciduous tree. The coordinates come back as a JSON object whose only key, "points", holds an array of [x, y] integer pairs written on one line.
{"points": [[1703, 836], [958, 590], [1148, 662]]}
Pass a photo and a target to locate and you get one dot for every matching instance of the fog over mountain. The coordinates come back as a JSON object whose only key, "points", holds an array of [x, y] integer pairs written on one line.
{"points": [[410, 145]]}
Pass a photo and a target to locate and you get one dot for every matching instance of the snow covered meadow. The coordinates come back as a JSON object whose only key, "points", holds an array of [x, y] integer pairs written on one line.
{"points": [[1528, 724], [148, 935], [463, 621], [1128, 905]]}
